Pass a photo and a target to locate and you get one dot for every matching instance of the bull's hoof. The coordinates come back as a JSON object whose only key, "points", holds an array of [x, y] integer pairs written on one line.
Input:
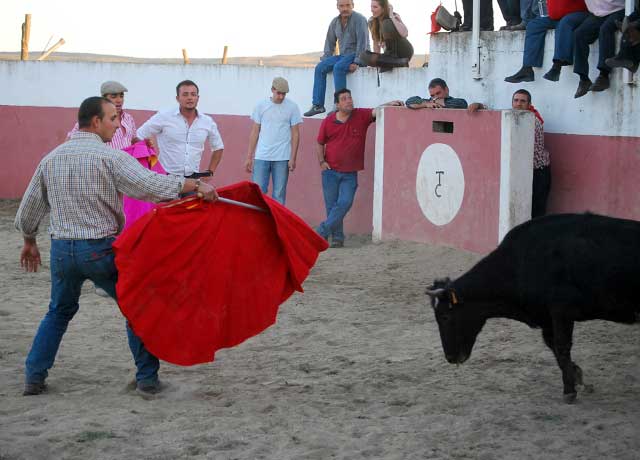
{"points": [[587, 388], [570, 398]]}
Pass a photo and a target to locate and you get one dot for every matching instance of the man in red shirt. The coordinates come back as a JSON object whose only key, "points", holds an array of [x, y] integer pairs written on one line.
{"points": [[340, 151]]}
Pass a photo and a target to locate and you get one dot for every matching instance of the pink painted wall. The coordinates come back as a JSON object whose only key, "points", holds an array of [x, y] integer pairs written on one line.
{"points": [[28, 133], [476, 140], [595, 173]]}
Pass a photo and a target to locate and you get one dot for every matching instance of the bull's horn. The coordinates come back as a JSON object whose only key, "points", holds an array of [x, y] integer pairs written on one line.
{"points": [[434, 292]]}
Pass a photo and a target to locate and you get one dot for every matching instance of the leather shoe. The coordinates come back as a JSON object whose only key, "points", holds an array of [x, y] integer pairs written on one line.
{"points": [[601, 83], [524, 74], [583, 88], [624, 63], [552, 75]]}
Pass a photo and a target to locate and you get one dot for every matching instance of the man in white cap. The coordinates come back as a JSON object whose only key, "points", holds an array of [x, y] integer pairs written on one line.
{"points": [[125, 135], [274, 139]]}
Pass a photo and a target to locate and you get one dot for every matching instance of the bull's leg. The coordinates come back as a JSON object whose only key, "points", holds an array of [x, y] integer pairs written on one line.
{"points": [[562, 338], [547, 336]]}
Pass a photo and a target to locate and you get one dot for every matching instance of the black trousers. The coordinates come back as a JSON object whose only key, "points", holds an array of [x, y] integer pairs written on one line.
{"points": [[541, 188], [486, 13]]}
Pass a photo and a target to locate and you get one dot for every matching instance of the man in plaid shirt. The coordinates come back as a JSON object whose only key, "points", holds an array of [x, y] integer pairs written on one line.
{"points": [[81, 184]]}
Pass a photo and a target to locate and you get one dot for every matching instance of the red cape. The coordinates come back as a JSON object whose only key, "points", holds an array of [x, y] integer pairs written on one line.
{"points": [[194, 277]]}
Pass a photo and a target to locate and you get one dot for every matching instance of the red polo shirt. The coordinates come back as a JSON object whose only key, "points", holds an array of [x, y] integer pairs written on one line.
{"points": [[344, 142]]}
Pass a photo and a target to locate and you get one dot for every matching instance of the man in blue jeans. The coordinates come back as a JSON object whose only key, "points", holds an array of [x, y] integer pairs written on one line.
{"points": [[81, 184], [340, 150], [350, 29], [274, 139]]}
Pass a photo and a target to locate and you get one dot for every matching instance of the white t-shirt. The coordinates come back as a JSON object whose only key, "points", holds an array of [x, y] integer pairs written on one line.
{"points": [[275, 120]]}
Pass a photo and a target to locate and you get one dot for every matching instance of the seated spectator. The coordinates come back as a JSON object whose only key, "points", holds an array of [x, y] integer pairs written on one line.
{"points": [[564, 16], [388, 32], [486, 15], [629, 55], [521, 100], [439, 98], [349, 28], [510, 10], [600, 25]]}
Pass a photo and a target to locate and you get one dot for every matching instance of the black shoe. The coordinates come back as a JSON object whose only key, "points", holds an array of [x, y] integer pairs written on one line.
{"points": [[337, 244], [148, 390], [33, 389], [465, 28], [552, 75], [583, 88], [601, 83], [314, 110], [624, 63], [520, 26], [524, 74]]}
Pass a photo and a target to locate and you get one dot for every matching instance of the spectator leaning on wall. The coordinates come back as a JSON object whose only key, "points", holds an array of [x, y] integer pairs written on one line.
{"points": [[521, 100], [439, 98]]}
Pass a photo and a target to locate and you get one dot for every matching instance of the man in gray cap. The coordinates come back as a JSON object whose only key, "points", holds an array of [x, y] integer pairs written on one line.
{"points": [[126, 133], [274, 139]]}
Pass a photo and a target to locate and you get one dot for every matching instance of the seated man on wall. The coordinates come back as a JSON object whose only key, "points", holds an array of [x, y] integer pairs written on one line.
{"points": [[439, 98], [629, 55], [564, 16], [521, 100], [599, 25], [350, 29]]}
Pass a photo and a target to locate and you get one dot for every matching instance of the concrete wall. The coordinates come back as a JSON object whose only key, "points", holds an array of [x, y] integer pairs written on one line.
{"points": [[594, 141]]}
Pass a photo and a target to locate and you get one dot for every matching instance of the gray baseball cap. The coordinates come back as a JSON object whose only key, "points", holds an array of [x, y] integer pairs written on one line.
{"points": [[280, 84], [112, 87]]}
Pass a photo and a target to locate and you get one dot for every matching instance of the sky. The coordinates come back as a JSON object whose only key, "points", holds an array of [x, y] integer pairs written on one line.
{"points": [[143, 28]]}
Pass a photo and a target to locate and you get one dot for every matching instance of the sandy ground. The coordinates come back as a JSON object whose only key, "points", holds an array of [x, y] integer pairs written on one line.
{"points": [[353, 369]]}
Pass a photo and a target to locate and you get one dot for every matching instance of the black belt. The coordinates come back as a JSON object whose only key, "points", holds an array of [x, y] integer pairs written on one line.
{"points": [[198, 175]]}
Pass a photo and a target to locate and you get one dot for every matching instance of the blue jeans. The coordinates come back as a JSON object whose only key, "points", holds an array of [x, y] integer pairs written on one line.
{"points": [[564, 42], [339, 189], [279, 171], [72, 262], [595, 28], [340, 66], [534, 40]]}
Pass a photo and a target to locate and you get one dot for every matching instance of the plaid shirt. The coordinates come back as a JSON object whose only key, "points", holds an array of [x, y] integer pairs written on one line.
{"points": [[123, 136], [81, 182], [541, 157]]}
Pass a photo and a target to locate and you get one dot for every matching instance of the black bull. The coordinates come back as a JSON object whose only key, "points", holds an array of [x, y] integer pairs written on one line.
{"points": [[548, 273]]}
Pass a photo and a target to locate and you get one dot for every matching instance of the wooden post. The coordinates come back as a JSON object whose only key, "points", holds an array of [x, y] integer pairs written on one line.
{"points": [[224, 54], [46, 54], [185, 58], [26, 31]]}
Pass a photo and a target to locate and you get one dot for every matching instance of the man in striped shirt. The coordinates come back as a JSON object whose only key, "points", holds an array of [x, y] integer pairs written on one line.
{"points": [[81, 183], [125, 135]]}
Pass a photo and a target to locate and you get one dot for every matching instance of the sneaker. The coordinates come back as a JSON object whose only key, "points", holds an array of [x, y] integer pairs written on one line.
{"points": [[337, 244], [148, 390], [583, 88], [601, 83], [33, 389], [315, 110], [524, 74]]}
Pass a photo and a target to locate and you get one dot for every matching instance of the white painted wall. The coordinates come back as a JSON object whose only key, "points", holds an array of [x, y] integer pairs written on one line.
{"points": [[234, 90]]}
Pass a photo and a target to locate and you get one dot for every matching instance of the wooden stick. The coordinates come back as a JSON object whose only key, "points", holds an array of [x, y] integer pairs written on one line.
{"points": [[185, 58], [224, 54], [46, 54], [26, 32]]}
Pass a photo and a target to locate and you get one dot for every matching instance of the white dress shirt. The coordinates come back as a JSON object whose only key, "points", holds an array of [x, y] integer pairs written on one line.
{"points": [[181, 146]]}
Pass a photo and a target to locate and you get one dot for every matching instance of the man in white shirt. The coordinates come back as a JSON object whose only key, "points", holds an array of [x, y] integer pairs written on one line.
{"points": [[274, 139], [182, 132]]}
